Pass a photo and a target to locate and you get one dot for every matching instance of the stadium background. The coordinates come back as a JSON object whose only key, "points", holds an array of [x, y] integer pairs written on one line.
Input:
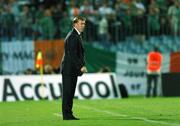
{"points": [[117, 38]]}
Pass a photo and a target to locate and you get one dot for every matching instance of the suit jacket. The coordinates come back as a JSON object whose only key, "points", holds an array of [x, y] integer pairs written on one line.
{"points": [[73, 58]]}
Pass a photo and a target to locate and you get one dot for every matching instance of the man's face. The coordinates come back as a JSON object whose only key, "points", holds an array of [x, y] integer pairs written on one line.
{"points": [[80, 25]]}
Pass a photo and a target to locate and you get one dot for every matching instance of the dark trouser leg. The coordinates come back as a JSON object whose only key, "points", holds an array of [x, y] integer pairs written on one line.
{"points": [[155, 78], [73, 88], [69, 85], [149, 81]]}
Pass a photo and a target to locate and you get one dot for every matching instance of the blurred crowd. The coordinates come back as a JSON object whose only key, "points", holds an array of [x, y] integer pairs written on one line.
{"points": [[107, 20], [47, 69]]}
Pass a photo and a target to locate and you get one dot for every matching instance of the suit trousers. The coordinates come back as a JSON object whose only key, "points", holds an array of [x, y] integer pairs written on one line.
{"points": [[69, 85]]}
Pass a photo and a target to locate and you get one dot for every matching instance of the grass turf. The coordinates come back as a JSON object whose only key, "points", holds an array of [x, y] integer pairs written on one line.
{"points": [[113, 112]]}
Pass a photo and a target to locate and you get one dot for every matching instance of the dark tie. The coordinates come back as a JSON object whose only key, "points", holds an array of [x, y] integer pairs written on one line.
{"points": [[82, 47], [80, 37]]}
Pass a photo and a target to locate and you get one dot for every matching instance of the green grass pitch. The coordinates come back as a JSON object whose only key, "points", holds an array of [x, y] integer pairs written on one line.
{"points": [[114, 112]]}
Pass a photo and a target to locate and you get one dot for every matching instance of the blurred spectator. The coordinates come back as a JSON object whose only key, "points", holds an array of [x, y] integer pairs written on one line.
{"points": [[48, 69], [104, 69], [113, 27], [105, 9], [1, 10], [120, 8], [73, 10], [65, 25], [153, 19], [25, 23], [8, 23], [164, 24], [57, 15], [87, 10], [103, 32], [29, 72], [15, 7], [139, 20], [39, 14], [174, 17], [124, 14], [127, 21], [163, 5], [47, 26]]}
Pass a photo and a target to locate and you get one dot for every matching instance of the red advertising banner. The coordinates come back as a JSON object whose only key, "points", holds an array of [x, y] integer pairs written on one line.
{"points": [[52, 51], [175, 62]]}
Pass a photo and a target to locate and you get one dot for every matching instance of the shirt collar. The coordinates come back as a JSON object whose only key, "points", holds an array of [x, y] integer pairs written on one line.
{"points": [[77, 31]]}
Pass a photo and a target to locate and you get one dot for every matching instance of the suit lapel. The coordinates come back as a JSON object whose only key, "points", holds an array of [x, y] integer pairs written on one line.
{"points": [[80, 39]]}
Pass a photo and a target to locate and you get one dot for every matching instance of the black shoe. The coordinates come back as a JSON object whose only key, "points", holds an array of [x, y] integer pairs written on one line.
{"points": [[74, 118], [70, 118]]}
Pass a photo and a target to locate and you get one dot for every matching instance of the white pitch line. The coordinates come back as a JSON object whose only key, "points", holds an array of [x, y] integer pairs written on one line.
{"points": [[104, 111], [131, 117], [57, 114]]}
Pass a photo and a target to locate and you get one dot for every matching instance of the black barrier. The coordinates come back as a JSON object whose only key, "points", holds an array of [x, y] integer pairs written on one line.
{"points": [[171, 84], [123, 91]]}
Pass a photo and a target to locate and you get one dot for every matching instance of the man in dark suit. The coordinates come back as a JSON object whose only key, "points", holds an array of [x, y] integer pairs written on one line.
{"points": [[72, 66]]}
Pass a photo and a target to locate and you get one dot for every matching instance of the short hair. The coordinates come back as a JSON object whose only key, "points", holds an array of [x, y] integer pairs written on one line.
{"points": [[76, 19], [156, 49]]}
